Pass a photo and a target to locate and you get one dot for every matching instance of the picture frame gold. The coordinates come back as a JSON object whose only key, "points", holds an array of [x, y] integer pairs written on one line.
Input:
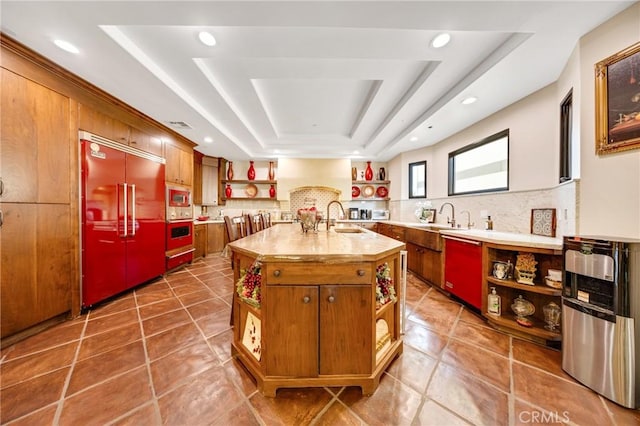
{"points": [[617, 84]]}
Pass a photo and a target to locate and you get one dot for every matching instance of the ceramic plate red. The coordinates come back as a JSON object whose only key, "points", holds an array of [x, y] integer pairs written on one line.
{"points": [[355, 191], [382, 192]]}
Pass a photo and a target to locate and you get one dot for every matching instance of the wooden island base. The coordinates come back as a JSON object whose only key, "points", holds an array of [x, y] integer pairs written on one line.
{"points": [[317, 309], [269, 385]]}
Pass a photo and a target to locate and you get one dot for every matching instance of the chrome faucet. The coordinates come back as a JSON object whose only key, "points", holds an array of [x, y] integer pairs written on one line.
{"points": [[453, 214], [329, 211], [469, 223]]}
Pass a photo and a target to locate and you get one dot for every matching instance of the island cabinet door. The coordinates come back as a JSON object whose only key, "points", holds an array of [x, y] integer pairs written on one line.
{"points": [[346, 330], [291, 337]]}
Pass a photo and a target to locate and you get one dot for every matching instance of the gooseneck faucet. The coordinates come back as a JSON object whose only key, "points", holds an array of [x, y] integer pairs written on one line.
{"points": [[469, 223], [452, 221], [329, 211]]}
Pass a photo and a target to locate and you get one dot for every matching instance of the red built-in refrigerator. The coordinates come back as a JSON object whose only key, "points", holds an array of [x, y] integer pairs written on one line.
{"points": [[123, 217]]}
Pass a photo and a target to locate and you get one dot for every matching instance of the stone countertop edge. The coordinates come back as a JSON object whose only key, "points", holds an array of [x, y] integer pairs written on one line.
{"points": [[204, 222], [287, 243], [507, 238]]}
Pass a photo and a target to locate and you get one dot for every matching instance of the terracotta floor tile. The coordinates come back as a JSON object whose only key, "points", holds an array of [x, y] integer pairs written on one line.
{"points": [[120, 304], [164, 322], [151, 287], [436, 314], [159, 308], [484, 337], [108, 400], [54, 336], [525, 415], [179, 279], [110, 322], [221, 344], [197, 297], [435, 293], [420, 337], [241, 415], [433, 414], [44, 416], [174, 369], [554, 394], [539, 356], [338, 414], [478, 362], [475, 401], [622, 416], [238, 374], [391, 404], [215, 323], [99, 343], [148, 414], [189, 287], [291, 406], [206, 308], [171, 340], [154, 296], [30, 366], [473, 318], [413, 368], [208, 396], [31, 395], [105, 366]]}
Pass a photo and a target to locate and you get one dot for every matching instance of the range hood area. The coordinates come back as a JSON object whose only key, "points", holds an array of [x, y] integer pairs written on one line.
{"points": [[295, 173]]}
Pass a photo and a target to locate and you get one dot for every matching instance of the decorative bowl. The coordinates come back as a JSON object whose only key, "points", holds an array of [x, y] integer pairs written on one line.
{"points": [[522, 307], [203, 218], [552, 283]]}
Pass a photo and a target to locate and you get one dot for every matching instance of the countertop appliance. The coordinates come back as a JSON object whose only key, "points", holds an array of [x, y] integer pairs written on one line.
{"points": [[354, 213], [380, 215], [600, 308], [123, 217]]}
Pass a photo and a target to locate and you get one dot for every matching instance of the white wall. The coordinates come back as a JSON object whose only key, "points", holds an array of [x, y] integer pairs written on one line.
{"points": [[609, 193]]}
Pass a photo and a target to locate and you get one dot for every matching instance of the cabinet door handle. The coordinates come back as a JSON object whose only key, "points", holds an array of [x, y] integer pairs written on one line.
{"points": [[1, 187], [361, 272], [331, 299], [1, 218], [276, 273], [306, 299]]}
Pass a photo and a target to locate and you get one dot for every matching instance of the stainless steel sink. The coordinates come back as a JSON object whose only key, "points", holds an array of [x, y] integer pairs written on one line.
{"points": [[348, 229]]}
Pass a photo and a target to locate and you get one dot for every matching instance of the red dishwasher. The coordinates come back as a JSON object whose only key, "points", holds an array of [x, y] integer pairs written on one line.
{"points": [[463, 269]]}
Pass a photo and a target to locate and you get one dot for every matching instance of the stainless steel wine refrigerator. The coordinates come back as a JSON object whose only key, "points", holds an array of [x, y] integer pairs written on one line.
{"points": [[600, 314]]}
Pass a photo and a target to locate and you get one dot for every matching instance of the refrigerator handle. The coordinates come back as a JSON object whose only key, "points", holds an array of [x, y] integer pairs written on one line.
{"points": [[133, 210], [126, 208]]}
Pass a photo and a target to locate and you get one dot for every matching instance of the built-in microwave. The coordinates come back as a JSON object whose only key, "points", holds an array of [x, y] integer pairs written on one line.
{"points": [[178, 196]]}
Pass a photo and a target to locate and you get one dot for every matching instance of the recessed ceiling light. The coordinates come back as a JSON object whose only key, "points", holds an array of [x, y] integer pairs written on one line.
{"points": [[413, 138], [356, 152], [66, 46], [208, 139], [469, 100], [440, 40], [207, 38]]}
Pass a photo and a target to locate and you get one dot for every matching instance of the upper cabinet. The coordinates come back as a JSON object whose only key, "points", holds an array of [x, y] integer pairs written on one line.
{"points": [[108, 127], [179, 167], [197, 177]]}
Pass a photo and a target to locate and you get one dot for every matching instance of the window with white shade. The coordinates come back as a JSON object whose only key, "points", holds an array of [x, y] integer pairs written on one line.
{"points": [[480, 167]]}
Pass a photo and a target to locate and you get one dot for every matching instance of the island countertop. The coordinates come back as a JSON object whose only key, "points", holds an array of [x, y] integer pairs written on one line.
{"points": [[287, 242]]}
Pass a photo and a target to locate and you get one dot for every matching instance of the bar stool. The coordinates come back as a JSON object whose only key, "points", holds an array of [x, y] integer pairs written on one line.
{"points": [[256, 223], [266, 220]]}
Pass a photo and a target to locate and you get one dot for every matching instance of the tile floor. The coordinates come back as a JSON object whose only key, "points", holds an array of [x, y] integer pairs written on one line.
{"points": [[161, 355]]}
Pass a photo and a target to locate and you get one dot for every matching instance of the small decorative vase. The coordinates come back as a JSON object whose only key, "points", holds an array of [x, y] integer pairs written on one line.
{"points": [[230, 171], [251, 173], [272, 172], [272, 191], [227, 191], [382, 174], [368, 173], [354, 173]]}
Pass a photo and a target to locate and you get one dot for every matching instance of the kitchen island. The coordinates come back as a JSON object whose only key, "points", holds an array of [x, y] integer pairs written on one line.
{"points": [[316, 309]]}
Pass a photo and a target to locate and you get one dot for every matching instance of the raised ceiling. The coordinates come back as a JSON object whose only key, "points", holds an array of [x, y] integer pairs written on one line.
{"points": [[311, 79]]}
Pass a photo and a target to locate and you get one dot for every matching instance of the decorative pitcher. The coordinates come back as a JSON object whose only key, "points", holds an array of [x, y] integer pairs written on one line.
{"points": [[251, 173], [368, 173], [272, 172], [230, 171], [382, 174], [227, 191]]}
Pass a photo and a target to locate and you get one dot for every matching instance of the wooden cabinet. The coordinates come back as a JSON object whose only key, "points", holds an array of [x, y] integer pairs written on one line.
{"points": [[424, 254], [144, 141], [215, 237], [509, 289], [35, 154], [392, 231], [199, 241], [197, 178], [320, 328], [179, 167]]}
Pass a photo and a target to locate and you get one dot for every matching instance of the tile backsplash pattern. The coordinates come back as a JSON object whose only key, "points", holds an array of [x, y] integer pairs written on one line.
{"points": [[322, 196], [510, 211]]}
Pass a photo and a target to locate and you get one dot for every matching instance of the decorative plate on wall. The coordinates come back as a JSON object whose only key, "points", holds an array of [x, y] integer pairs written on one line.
{"points": [[251, 190], [355, 191], [543, 222], [368, 191], [382, 192]]}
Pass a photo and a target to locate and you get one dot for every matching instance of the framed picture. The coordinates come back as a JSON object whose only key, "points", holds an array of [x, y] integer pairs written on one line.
{"points": [[618, 101], [428, 215], [418, 179], [543, 222]]}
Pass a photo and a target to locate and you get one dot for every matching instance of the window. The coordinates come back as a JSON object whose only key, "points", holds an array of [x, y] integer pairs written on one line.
{"points": [[418, 179], [566, 114], [480, 167]]}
